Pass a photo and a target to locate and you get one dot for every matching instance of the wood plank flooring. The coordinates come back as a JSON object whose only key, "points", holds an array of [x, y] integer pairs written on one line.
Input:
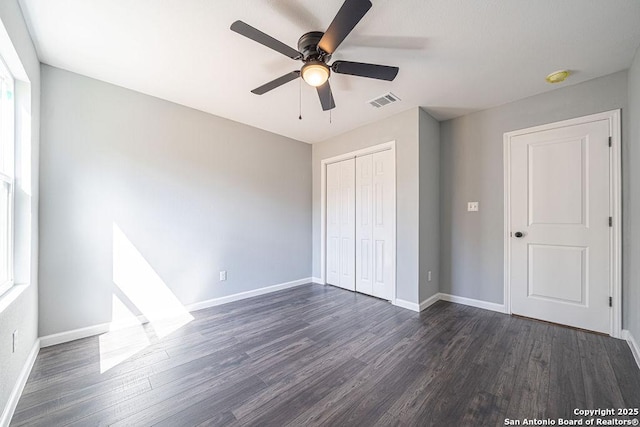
{"points": [[318, 355]]}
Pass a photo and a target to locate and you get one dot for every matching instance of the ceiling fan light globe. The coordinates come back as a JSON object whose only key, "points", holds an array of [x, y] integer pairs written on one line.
{"points": [[315, 74]]}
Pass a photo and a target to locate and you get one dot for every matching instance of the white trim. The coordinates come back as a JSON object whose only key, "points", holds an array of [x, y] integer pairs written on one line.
{"points": [[75, 334], [633, 344], [615, 208], [429, 302], [10, 55], [391, 145], [616, 231], [506, 235], [7, 166], [90, 331], [248, 294], [407, 304], [318, 281], [11, 295], [18, 387], [486, 305]]}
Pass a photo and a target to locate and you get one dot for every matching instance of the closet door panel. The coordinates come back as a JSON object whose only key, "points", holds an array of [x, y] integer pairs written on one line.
{"points": [[347, 224], [361, 224], [333, 224], [364, 225], [383, 183]]}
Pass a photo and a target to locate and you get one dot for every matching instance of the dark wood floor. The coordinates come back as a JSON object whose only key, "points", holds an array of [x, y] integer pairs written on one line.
{"points": [[316, 355]]}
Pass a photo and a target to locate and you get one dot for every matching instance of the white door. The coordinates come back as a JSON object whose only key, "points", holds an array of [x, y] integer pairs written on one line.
{"points": [[364, 224], [559, 208], [375, 222], [341, 224]]}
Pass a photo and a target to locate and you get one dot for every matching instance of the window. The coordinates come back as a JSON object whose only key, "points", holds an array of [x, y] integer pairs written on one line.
{"points": [[6, 177]]}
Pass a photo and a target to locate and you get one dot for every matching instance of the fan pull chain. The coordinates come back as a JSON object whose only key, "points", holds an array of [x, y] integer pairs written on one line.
{"points": [[300, 99]]}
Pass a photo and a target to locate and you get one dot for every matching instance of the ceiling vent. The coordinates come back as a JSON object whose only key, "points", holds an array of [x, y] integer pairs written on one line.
{"points": [[386, 99]]}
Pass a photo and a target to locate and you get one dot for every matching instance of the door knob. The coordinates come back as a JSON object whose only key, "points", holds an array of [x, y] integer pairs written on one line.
{"points": [[518, 234]]}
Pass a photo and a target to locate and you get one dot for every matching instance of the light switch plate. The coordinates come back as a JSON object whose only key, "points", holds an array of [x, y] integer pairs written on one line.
{"points": [[223, 275], [473, 206]]}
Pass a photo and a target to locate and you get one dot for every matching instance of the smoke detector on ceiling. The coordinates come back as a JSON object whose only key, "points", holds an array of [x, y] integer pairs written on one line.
{"points": [[382, 100]]}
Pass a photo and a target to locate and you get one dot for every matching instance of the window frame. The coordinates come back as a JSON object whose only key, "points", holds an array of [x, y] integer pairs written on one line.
{"points": [[7, 164]]}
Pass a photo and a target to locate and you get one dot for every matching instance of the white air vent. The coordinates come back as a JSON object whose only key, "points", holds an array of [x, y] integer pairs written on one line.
{"points": [[383, 100]]}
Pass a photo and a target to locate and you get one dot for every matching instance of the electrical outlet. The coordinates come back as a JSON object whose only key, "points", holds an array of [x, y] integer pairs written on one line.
{"points": [[473, 206], [223, 275], [429, 276], [15, 341]]}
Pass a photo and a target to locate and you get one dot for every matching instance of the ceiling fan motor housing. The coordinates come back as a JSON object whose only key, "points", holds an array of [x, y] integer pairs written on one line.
{"points": [[308, 46]]}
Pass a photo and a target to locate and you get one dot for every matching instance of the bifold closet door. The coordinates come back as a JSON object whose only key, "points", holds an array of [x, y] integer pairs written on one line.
{"points": [[375, 221], [341, 224]]}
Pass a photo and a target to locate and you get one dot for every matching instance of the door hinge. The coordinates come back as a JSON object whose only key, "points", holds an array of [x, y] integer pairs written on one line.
{"points": [[610, 142], [610, 301], [610, 221]]}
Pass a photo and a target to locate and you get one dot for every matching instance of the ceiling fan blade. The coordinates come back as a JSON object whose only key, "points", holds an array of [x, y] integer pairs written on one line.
{"points": [[264, 39], [373, 71], [347, 18], [276, 83], [326, 96]]}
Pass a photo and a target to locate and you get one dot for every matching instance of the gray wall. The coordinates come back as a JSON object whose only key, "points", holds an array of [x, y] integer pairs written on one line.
{"points": [[631, 272], [429, 155], [21, 314], [471, 169], [192, 192], [402, 128]]}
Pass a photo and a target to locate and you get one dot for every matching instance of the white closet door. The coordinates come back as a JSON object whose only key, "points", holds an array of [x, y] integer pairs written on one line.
{"points": [[341, 224], [384, 222], [364, 225], [333, 223], [375, 223]]}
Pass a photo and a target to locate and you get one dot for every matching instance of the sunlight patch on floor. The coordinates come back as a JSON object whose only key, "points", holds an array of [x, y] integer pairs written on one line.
{"points": [[125, 338], [145, 292]]}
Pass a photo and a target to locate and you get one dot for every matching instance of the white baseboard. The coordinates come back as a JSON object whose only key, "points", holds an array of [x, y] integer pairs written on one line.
{"points": [[417, 307], [408, 305], [248, 294], [500, 308], [635, 349], [429, 301], [317, 280], [75, 334], [451, 298], [90, 331], [14, 397]]}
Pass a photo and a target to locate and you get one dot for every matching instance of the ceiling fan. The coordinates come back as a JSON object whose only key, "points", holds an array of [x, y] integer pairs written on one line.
{"points": [[315, 49]]}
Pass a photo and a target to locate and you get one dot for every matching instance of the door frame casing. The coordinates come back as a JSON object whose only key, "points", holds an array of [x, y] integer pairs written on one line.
{"points": [[391, 145], [615, 209]]}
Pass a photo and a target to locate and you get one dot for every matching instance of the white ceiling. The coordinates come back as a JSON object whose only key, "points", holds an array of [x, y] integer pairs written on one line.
{"points": [[455, 56]]}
